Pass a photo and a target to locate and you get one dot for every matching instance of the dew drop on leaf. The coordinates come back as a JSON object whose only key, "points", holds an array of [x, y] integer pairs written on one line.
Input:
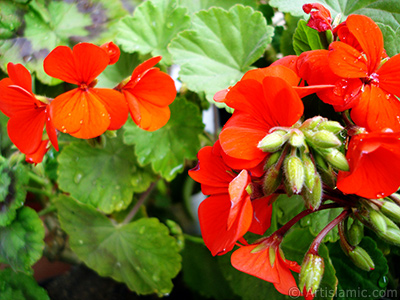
{"points": [[383, 282], [77, 177]]}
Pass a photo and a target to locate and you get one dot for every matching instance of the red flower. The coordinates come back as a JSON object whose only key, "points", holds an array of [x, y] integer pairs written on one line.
{"points": [[229, 212], [112, 51], [320, 17], [148, 93], [363, 82], [84, 112], [37, 157], [259, 106], [28, 115], [374, 160], [265, 260]]}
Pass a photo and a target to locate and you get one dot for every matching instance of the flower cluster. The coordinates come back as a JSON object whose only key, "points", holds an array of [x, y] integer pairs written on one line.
{"points": [[268, 148], [86, 111]]}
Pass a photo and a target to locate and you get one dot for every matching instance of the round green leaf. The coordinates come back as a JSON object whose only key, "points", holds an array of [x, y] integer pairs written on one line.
{"points": [[195, 6], [220, 47], [168, 147], [21, 242], [102, 177], [141, 254]]}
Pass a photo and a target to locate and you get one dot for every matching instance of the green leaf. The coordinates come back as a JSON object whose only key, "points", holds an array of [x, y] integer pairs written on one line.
{"points": [[355, 283], [45, 28], [195, 6], [9, 19], [152, 27], [220, 47], [102, 177], [288, 207], [383, 11], [391, 39], [248, 287], [306, 38], [21, 242], [318, 220], [202, 273], [167, 148], [12, 191], [295, 244], [18, 286], [141, 254]]}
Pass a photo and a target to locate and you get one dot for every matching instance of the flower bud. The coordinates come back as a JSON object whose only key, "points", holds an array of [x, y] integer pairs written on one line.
{"points": [[324, 139], [335, 158], [361, 259], [377, 221], [331, 126], [312, 270], [313, 197], [355, 232], [272, 159], [392, 236], [296, 139], [391, 210], [272, 180], [309, 171], [312, 123], [294, 173], [273, 141]]}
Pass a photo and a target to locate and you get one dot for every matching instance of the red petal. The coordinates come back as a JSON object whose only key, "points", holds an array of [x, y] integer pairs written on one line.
{"points": [[37, 157], [377, 110], [112, 51], [25, 129], [289, 61], [370, 38], [213, 216], [238, 196], [255, 263], [287, 284], [78, 66], [115, 104], [144, 66], [273, 71], [51, 130], [389, 75], [262, 212], [15, 99], [211, 171], [79, 113], [20, 76], [347, 62]]}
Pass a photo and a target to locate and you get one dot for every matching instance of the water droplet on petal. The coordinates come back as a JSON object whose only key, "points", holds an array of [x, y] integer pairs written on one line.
{"points": [[69, 114], [81, 121]]}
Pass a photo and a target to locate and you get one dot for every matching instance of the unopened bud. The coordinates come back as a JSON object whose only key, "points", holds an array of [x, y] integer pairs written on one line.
{"points": [[335, 158], [361, 259], [309, 171], [312, 270], [272, 159], [296, 139], [391, 210], [273, 141], [355, 232], [313, 197], [294, 173], [324, 139], [272, 180], [312, 123], [378, 221], [392, 236], [331, 126]]}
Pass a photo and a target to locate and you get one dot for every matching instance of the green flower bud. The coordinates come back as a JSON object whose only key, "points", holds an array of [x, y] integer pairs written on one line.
{"points": [[273, 141], [331, 126], [355, 232], [313, 197], [294, 173], [324, 139], [272, 180], [391, 210], [272, 159], [392, 236], [312, 270], [377, 221], [312, 123], [335, 158], [296, 139], [361, 259], [309, 171]]}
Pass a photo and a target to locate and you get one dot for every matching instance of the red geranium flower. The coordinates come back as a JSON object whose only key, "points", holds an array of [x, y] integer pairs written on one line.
{"points": [[264, 259], [374, 160], [259, 106], [148, 93], [363, 82], [28, 115], [229, 212], [84, 112], [320, 17]]}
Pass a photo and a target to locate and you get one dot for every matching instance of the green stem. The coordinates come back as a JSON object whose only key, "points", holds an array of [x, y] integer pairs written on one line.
{"points": [[47, 210], [139, 203], [38, 191], [36, 178]]}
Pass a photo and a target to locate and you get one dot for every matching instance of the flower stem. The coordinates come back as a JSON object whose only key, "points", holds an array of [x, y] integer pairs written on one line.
{"points": [[317, 241], [139, 203]]}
